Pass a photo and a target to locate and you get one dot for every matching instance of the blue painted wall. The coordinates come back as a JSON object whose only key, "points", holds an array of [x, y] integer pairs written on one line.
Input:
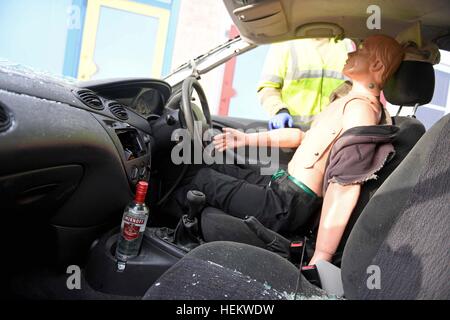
{"points": [[124, 46], [34, 32], [47, 34], [76, 16]]}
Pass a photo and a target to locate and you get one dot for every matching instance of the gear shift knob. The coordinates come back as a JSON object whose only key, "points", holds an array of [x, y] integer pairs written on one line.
{"points": [[196, 200]]}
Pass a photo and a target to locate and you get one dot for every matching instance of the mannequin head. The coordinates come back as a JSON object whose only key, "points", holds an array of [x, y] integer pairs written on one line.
{"points": [[374, 61]]}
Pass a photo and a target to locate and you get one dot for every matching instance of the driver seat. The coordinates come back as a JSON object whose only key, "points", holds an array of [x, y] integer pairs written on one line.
{"points": [[398, 248], [411, 86]]}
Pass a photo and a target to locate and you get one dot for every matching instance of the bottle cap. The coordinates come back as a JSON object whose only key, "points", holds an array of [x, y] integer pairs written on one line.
{"points": [[141, 191]]}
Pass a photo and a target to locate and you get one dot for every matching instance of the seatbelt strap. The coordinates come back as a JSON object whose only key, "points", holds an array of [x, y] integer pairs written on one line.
{"points": [[299, 279], [295, 252]]}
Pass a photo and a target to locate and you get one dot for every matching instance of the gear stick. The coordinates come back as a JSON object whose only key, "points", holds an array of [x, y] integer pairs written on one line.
{"points": [[187, 233], [196, 200]]}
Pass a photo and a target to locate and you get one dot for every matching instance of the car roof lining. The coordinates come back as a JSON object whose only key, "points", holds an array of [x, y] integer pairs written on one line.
{"points": [[274, 26]]}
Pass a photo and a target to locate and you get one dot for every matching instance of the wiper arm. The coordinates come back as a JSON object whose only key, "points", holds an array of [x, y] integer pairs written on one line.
{"points": [[192, 66], [204, 55]]}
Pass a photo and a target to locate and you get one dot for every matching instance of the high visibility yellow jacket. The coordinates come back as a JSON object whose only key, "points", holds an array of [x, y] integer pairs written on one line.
{"points": [[306, 71]]}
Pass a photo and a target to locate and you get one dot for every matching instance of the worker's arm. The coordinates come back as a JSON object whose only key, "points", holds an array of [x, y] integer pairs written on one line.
{"points": [[282, 138], [270, 99], [272, 78], [340, 200]]}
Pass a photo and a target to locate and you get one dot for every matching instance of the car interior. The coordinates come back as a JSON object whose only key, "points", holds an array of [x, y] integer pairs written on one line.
{"points": [[71, 154]]}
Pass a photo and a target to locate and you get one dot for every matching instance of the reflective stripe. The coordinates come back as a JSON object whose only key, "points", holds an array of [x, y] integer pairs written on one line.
{"points": [[303, 122], [271, 78], [309, 74], [335, 75], [294, 61], [303, 119], [293, 74]]}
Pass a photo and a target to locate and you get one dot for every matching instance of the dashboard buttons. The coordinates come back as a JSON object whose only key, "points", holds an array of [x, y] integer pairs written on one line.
{"points": [[142, 172], [134, 173]]}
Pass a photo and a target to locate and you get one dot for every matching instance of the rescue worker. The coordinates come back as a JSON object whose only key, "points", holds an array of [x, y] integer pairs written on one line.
{"points": [[298, 78]]}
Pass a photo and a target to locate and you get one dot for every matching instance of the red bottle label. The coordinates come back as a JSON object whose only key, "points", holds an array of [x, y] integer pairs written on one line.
{"points": [[130, 231], [133, 226]]}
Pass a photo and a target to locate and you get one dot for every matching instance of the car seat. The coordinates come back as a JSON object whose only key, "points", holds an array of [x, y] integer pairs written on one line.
{"points": [[412, 85], [401, 240]]}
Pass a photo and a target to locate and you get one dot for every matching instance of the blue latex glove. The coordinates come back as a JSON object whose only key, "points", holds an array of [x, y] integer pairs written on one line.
{"points": [[281, 120]]}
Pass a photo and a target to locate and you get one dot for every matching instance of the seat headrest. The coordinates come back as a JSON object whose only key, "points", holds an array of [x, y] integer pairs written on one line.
{"points": [[411, 84]]}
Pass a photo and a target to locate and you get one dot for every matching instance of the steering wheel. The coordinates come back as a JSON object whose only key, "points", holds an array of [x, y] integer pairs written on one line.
{"points": [[193, 116], [190, 118]]}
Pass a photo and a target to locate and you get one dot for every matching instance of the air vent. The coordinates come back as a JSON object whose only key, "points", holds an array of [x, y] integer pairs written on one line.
{"points": [[118, 110], [5, 119], [90, 99]]}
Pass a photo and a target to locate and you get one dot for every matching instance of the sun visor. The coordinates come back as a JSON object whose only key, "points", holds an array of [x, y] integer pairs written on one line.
{"points": [[265, 18]]}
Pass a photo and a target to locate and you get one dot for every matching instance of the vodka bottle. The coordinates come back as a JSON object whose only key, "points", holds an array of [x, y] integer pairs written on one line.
{"points": [[132, 228]]}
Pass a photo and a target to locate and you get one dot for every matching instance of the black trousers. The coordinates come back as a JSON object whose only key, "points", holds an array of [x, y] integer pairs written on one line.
{"points": [[279, 205]]}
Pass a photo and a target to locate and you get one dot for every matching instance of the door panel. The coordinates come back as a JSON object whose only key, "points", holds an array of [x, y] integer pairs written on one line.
{"points": [[284, 155]]}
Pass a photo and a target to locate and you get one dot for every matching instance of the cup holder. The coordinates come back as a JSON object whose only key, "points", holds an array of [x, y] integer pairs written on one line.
{"points": [[155, 257], [112, 250]]}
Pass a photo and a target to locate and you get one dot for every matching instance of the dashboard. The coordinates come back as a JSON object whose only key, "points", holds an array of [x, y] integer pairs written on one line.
{"points": [[75, 150], [143, 100], [72, 153], [145, 97], [147, 103]]}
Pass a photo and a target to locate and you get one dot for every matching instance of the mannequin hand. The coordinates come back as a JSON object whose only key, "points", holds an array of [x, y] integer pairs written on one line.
{"points": [[229, 139]]}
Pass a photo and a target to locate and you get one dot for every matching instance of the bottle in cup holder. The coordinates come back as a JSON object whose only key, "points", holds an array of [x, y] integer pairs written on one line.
{"points": [[132, 228]]}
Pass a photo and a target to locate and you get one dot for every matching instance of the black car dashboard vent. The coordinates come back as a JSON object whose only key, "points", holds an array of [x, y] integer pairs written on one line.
{"points": [[5, 119], [118, 110], [90, 99]]}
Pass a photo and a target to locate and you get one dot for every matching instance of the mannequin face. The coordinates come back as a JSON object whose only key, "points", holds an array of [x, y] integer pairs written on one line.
{"points": [[358, 62]]}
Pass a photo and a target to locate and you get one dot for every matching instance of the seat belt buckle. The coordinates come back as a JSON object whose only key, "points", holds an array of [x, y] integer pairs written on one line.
{"points": [[312, 275], [295, 252]]}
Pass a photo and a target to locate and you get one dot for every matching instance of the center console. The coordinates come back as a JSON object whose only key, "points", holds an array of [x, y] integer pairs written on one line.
{"points": [[134, 146], [157, 254], [161, 248]]}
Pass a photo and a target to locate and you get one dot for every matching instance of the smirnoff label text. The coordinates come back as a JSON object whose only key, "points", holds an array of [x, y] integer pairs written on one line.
{"points": [[134, 220], [132, 226]]}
